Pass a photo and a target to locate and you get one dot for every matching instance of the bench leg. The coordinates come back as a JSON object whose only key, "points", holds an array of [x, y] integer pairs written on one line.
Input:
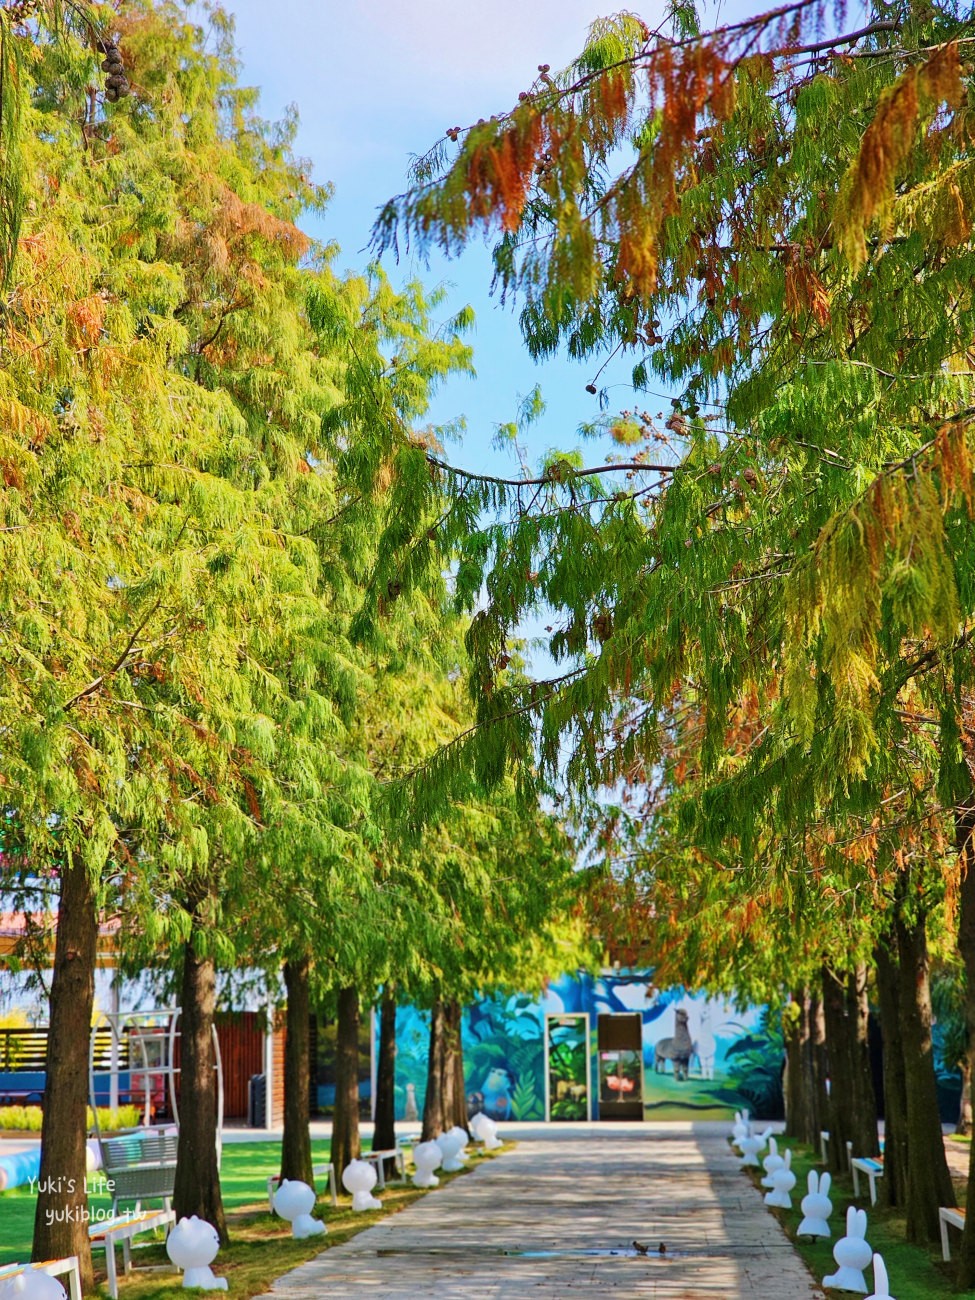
{"points": [[856, 1180], [126, 1256], [945, 1247], [380, 1173], [270, 1193], [401, 1166], [873, 1188], [332, 1187], [110, 1266]]}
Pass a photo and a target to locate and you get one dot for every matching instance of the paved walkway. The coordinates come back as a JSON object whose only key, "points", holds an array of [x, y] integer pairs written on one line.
{"points": [[545, 1219]]}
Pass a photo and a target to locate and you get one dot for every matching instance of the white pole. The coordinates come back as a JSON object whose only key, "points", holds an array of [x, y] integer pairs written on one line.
{"points": [[269, 1064], [116, 1000]]}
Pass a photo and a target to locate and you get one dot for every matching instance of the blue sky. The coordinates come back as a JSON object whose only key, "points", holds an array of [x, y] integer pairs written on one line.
{"points": [[376, 81]]}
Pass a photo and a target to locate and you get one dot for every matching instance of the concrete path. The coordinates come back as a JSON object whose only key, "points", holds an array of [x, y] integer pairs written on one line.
{"points": [[545, 1219]]}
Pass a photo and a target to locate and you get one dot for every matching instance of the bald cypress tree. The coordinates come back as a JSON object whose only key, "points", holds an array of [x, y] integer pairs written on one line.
{"points": [[775, 220]]}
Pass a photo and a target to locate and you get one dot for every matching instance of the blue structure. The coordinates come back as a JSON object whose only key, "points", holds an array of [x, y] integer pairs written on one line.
{"points": [[561, 1055]]}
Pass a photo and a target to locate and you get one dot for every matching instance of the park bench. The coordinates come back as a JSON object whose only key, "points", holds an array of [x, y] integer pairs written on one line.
{"points": [[824, 1149], [53, 1268], [948, 1215], [122, 1228], [379, 1158], [140, 1166], [22, 1097], [873, 1169], [317, 1171]]}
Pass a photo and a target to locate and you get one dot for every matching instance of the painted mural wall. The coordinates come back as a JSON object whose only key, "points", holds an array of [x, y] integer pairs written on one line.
{"points": [[698, 1056]]}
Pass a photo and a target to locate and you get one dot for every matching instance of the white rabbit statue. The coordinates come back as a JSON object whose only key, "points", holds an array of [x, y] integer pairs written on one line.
{"points": [[816, 1207], [852, 1254], [771, 1162], [750, 1147], [742, 1128], [359, 1178], [294, 1201], [426, 1158], [783, 1181], [33, 1285], [881, 1287], [192, 1246]]}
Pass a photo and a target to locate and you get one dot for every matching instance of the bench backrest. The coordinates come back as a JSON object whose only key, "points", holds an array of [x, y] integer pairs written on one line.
{"points": [[139, 1148], [140, 1165]]}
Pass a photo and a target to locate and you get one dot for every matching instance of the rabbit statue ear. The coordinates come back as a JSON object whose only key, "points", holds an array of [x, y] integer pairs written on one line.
{"points": [[812, 1182], [788, 1159], [861, 1223], [881, 1284], [851, 1221], [773, 1149], [824, 1183]]}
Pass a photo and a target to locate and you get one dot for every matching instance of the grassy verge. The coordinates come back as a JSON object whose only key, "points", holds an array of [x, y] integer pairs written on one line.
{"points": [[916, 1272], [261, 1248]]}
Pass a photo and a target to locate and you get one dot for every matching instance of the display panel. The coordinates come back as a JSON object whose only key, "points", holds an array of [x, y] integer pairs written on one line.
{"points": [[567, 1067]]}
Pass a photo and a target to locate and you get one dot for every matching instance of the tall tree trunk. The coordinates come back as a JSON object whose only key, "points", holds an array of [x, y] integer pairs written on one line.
{"points": [[964, 842], [819, 1065], [296, 1160], [866, 1141], [801, 1110], [60, 1217], [197, 1185], [384, 1136], [448, 1067], [838, 1056], [964, 1125], [458, 1115], [433, 1108], [346, 1144], [895, 1086], [928, 1179]]}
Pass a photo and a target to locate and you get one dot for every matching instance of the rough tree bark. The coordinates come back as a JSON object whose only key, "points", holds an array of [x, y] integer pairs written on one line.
{"points": [[384, 1138], [804, 1111], [817, 1052], [196, 1189], [838, 1058], [296, 1162], [895, 1086], [346, 1145], [928, 1179], [964, 1125], [852, 1104], [965, 843], [433, 1103], [61, 1212], [456, 1113], [863, 1118]]}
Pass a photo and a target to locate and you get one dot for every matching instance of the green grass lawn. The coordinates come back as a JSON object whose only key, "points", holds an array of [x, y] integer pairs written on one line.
{"points": [[261, 1247], [916, 1272]]}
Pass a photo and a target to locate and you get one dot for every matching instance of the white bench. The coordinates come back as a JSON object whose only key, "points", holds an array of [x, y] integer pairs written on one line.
{"points": [[317, 1171], [122, 1229], [824, 1148], [956, 1218], [874, 1169], [379, 1158], [53, 1268]]}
